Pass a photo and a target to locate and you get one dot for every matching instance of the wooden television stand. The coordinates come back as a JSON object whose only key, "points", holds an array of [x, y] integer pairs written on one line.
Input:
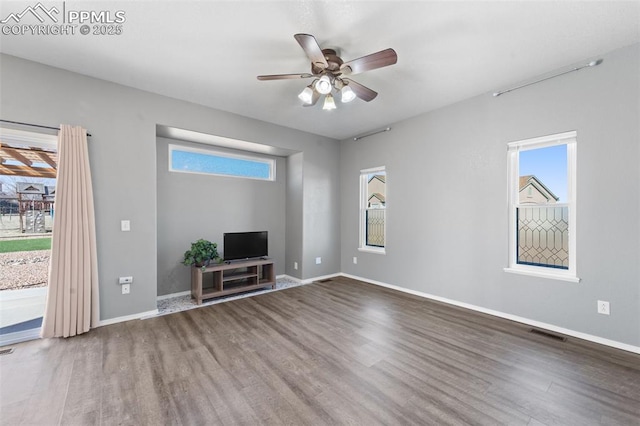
{"points": [[230, 278]]}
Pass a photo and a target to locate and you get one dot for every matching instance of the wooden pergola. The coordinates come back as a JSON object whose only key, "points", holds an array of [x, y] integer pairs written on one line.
{"points": [[27, 161], [31, 162]]}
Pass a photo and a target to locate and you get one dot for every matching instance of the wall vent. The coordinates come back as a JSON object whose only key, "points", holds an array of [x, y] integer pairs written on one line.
{"points": [[547, 334], [6, 351], [325, 280]]}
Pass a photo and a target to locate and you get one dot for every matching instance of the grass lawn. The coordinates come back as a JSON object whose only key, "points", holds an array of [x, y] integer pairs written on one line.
{"points": [[25, 244]]}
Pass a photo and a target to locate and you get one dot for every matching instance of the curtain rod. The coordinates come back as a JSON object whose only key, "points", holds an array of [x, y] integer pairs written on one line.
{"points": [[590, 64], [34, 125], [366, 135]]}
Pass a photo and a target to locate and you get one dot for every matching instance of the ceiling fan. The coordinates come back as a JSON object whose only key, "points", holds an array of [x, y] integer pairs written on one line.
{"points": [[329, 71]]}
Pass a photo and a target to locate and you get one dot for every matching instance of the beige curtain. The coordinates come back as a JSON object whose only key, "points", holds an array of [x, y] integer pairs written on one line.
{"points": [[72, 300]]}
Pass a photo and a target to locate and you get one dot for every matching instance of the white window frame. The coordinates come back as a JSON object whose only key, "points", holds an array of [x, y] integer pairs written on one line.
{"points": [[218, 153], [362, 246], [513, 149], [39, 140]]}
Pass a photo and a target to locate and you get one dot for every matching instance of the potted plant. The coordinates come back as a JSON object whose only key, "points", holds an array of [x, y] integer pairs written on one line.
{"points": [[201, 253]]}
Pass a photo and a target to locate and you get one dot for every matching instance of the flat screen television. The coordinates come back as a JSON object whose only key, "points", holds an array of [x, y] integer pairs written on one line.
{"points": [[245, 245]]}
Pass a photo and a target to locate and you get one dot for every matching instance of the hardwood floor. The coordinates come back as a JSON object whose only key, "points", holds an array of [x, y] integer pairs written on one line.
{"points": [[337, 352]]}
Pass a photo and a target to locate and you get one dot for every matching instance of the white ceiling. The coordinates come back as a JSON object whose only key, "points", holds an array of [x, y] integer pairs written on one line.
{"points": [[211, 52]]}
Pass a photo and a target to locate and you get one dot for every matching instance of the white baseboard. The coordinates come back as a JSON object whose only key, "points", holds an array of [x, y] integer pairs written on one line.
{"points": [[534, 323], [140, 315], [323, 277], [308, 280]]}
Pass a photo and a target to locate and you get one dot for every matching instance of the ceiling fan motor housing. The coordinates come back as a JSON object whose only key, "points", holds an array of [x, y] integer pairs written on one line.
{"points": [[334, 63]]}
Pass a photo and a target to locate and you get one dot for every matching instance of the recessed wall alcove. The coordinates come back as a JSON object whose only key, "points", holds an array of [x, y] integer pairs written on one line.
{"points": [[192, 206]]}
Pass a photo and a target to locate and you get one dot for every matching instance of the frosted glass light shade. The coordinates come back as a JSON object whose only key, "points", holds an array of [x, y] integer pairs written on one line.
{"points": [[306, 95], [323, 85], [347, 94], [329, 103]]}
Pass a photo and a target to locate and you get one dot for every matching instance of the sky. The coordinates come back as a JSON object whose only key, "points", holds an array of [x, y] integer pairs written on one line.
{"points": [[220, 165], [549, 165]]}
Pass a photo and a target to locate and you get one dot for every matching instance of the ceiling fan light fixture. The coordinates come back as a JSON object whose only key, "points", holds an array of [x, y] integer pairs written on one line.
{"points": [[329, 103], [347, 94], [323, 85], [306, 95], [328, 70]]}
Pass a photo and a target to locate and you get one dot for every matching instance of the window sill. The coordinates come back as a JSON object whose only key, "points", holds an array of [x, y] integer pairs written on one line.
{"points": [[541, 274], [375, 250]]}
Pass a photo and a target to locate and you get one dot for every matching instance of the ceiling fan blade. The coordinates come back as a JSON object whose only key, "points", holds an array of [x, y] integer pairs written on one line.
{"points": [[283, 76], [370, 62], [361, 91], [312, 49]]}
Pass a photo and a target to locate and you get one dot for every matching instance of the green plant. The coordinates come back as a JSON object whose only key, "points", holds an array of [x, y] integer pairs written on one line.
{"points": [[201, 252]]}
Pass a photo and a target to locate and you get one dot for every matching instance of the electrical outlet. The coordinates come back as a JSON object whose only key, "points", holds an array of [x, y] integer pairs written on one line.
{"points": [[126, 288], [125, 225], [603, 307], [355, 260], [318, 260], [295, 265]]}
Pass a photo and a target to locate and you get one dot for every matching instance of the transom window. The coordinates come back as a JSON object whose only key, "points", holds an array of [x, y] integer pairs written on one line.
{"points": [[203, 161], [373, 209], [542, 212]]}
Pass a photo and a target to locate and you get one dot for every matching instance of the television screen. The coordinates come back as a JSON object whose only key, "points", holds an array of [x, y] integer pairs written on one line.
{"points": [[245, 245]]}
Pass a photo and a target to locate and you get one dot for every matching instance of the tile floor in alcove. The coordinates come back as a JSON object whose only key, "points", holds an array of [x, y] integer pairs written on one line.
{"points": [[183, 303]]}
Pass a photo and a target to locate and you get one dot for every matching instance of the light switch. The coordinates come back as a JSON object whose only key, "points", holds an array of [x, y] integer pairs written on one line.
{"points": [[125, 225]]}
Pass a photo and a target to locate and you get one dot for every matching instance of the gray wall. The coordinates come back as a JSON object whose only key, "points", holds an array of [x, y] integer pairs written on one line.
{"points": [[321, 174], [447, 200], [294, 214], [447, 214], [193, 206], [122, 152]]}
